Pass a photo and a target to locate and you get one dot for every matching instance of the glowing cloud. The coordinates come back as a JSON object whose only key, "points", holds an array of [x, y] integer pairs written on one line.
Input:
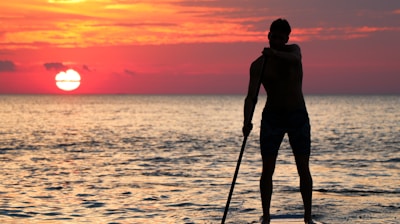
{"points": [[66, 1], [7, 66], [60, 23], [337, 33]]}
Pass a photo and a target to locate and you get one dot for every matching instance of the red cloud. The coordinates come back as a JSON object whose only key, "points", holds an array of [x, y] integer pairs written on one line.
{"points": [[330, 33], [7, 66]]}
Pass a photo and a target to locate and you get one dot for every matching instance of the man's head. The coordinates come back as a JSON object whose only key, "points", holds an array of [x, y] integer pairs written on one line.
{"points": [[279, 32]]}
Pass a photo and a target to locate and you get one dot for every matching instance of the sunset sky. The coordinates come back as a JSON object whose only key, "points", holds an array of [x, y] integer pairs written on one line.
{"points": [[196, 47]]}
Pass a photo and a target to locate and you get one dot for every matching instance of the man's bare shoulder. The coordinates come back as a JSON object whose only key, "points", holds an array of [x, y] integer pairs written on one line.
{"points": [[257, 63]]}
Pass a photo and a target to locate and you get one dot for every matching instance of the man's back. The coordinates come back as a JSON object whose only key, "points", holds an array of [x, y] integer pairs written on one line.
{"points": [[282, 79]]}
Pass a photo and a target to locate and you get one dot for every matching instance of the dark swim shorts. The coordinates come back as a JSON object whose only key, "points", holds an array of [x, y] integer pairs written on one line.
{"points": [[275, 125]]}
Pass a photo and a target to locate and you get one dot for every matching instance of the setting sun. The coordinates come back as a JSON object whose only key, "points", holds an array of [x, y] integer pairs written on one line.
{"points": [[69, 80]]}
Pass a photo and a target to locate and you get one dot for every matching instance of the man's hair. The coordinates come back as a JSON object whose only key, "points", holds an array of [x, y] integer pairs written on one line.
{"points": [[280, 25]]}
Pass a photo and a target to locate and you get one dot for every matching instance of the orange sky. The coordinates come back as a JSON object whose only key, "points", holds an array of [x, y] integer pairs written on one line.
{"points": [[206, 46]]}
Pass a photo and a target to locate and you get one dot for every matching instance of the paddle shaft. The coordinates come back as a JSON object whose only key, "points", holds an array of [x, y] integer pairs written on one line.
{"points": [[242, 149], [234, 179]]}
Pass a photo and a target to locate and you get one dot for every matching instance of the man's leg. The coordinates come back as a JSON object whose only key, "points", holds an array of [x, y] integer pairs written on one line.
{"points": [[300, 141], [266, 184], [270, 140], [306, 184]]}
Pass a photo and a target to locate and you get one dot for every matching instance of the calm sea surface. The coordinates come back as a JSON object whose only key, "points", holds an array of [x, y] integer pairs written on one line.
{"points": [[170, 159]]}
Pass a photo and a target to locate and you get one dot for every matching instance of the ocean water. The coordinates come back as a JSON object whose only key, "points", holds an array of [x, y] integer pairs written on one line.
{"points": [[171, 159]]}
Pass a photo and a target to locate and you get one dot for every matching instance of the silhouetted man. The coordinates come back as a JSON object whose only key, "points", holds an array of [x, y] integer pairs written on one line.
{"points": [[285, 112]]}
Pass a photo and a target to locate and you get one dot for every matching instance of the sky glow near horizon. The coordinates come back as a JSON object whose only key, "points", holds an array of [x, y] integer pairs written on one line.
{"points": [[181, 46]]}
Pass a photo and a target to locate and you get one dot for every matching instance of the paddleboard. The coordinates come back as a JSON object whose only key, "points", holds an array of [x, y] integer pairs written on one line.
{"points": [[290, 221]]}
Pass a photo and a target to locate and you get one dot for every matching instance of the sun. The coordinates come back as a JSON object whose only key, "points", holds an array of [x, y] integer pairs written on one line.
{"points": [[69, 80]]}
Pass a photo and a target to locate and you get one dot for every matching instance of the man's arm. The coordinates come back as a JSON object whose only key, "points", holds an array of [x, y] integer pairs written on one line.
{"points": [[251, 98], [290, 53]]}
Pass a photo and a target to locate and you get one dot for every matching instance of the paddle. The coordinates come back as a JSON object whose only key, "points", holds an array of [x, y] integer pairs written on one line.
{"points": [[242, 149]]}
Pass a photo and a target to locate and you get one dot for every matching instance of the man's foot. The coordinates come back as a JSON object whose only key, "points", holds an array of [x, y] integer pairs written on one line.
{"points": [[264, 221]]}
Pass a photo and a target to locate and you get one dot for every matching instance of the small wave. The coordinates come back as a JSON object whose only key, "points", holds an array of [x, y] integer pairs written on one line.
{"points": [[165, 173], [65, 145], [7, 149], [158, 159], [43, 197], [14, 213], [85, 195], [135, 210], [54, 188], [20, 147], [93, 204], [52, 214], [190, 204], [184, 204], [355, 191], [394, 160]]}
